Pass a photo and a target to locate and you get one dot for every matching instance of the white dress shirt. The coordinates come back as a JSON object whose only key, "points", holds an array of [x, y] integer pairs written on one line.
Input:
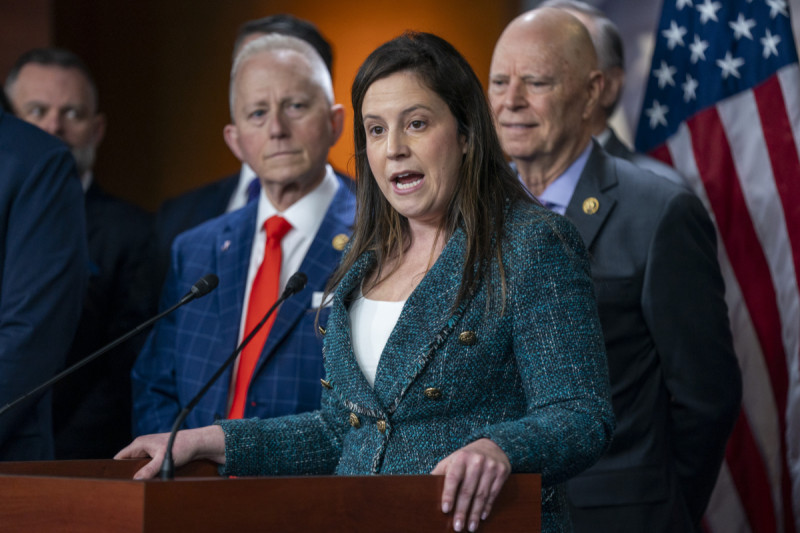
{"points": [[305, 216]]}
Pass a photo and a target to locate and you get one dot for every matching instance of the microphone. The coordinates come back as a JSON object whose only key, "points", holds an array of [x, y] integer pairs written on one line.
{"points": [[203, 286], [295, 284]]}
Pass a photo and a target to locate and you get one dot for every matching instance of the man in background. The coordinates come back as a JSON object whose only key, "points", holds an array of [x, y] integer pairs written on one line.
{"points": [[43, 270], [284, 121], [674, 378], [54, 90], [611, 61], [228, 194]]}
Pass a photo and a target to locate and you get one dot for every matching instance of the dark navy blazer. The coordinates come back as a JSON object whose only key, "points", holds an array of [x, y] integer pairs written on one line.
{"points": [[675, 382], [186, 348], [43, 271]]}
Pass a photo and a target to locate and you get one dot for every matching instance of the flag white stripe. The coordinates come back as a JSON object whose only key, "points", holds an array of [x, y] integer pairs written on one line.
{"points": [[740, 118], [758, 402], [725, 512], [789, 78]]}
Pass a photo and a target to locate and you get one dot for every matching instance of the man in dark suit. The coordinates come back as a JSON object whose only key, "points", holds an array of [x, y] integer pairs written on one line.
{"points": [[53, 89], [675, 381], [232, 192], [43, 270], [611, 61], [284, 123]]}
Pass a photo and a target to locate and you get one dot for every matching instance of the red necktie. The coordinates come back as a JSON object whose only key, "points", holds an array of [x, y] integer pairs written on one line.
{"points": [[263, 294]]}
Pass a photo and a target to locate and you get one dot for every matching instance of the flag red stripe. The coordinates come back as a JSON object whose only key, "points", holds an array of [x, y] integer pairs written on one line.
{"points": [[748, 471], [741, 242], [725, 194], [783, 156], [785, 162]]}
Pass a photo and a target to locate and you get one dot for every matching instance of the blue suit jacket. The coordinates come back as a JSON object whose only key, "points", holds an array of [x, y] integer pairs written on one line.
{"points": [[534, 380], [186, 348], [43, 271]]}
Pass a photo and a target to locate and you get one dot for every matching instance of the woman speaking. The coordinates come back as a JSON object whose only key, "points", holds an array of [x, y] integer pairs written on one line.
{"points": [[463, 338]]}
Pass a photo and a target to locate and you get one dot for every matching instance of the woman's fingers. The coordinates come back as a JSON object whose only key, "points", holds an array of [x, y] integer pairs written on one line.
{"points": [[474, 476]]}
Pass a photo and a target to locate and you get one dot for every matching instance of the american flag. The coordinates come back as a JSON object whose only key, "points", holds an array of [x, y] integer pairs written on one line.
{"points": [[723, 107]]}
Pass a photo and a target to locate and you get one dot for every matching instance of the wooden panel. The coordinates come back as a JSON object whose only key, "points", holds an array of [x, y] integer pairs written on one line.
{"points": [[98, 496], [44, 504]]}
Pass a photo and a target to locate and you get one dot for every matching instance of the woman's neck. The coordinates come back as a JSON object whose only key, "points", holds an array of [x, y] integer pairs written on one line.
{"points": [[401, 273]]}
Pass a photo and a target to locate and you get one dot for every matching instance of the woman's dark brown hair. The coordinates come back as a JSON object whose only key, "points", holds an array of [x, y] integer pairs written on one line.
{"points": [[486, 184]]}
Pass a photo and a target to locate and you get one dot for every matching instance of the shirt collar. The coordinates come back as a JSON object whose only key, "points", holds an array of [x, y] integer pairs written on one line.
{"points": [[305, 214], [560, 191]]}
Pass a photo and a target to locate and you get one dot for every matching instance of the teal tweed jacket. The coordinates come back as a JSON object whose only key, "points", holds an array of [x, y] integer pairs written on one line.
{"points": [[532, 376]]}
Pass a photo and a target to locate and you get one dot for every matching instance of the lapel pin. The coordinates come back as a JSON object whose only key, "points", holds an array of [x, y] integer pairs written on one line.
{"points": [[225, 245], [340, 241], [591, 205]]}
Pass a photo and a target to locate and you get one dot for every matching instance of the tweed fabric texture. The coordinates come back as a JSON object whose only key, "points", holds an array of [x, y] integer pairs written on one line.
{"points": [[535, 381]]}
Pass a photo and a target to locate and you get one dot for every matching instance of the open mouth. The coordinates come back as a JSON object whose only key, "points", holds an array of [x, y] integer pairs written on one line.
{"points": [[407, 180]]}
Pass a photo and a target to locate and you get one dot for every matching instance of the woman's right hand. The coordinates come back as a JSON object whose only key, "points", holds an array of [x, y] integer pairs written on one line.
{"points": [[190, 444]]}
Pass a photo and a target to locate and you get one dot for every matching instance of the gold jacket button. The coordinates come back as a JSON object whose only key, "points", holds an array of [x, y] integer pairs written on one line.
{"points": [[432, 393], [467, 338], [326, 384], [382, 426], [354, 421]]}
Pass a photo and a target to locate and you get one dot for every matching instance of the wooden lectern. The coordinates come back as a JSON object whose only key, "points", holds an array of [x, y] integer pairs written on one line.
{"points": [[100, 496]]}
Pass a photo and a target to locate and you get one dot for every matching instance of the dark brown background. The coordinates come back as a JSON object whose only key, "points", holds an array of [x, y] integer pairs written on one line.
{"points": [[162, 70]]}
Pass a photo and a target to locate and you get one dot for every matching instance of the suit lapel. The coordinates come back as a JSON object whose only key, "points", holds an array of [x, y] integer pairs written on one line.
{"points": [[233, 247], [344, 372], [424, 324], [593, 199], [318, 264]]}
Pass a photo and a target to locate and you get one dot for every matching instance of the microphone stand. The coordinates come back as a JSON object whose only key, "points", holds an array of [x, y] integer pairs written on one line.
{"points": [[205, 285], [295, 284]]}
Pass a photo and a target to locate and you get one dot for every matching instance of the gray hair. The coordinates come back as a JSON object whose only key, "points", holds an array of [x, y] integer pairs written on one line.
{"points": [[605, 35], [275, 42]]}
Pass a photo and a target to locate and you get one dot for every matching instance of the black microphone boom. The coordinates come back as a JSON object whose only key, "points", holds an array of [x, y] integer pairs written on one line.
{"points": [[295, 284], [203, 286]]}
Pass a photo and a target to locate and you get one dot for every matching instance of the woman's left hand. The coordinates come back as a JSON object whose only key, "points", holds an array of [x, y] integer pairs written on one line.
{"points": [[474, 476]]}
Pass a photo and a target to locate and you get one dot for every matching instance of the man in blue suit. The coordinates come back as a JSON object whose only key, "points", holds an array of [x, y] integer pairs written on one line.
{"points": [[43, 270], [228, 194], [284, 123]]}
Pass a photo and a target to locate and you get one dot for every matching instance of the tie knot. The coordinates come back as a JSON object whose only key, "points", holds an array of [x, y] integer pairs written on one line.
{"points": [[276, 227]]}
